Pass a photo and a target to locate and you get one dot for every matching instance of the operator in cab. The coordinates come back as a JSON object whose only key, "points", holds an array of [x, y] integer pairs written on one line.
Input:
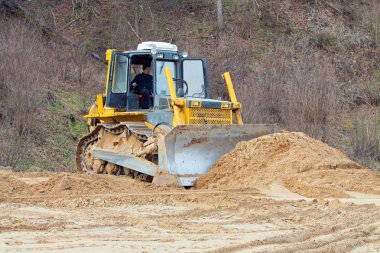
{"points": [[143, 86]]}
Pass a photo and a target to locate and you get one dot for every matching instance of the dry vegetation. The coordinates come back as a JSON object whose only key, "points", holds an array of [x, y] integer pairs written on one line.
{"points": [[34, 118], [307, 65], [22, 86]]}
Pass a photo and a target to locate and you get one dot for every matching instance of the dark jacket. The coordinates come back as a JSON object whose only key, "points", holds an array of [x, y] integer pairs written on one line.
{"points": [[144, 82]]}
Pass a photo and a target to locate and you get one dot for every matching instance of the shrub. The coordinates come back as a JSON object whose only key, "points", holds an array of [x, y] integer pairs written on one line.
{"points": [[288, 85], [366, 137], [374, 20], [31, 69], [298, 90]]}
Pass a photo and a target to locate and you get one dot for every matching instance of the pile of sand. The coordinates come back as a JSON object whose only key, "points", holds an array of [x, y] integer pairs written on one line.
{"points": [[19, 184], [302, 164]]}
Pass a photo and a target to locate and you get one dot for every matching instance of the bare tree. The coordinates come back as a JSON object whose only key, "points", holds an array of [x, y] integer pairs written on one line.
{"points": [[219, 8], [374, 18], [137, 16]]}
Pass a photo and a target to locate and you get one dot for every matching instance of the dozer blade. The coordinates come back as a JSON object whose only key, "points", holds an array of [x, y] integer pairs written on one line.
{"points": [[189, 151], [126, 160]]}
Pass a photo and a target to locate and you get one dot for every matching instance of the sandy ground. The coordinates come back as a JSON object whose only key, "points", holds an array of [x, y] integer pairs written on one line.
{"points": [[57, 212], [304, 165]]}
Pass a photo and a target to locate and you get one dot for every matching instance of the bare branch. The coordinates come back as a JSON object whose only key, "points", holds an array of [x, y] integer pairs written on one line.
{"points": [[333, 7], [133, 30], [14, 6]]}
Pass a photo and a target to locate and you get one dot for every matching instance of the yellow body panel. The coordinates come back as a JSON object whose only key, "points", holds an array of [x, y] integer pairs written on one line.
{"points": [[109, 115], [108, 58], [99, 100]]}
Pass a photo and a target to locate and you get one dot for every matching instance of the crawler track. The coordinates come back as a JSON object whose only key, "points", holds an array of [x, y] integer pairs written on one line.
{"points": [[136, 135]]}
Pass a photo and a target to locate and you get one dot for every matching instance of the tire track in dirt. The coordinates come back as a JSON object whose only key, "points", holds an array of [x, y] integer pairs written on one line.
{"points": [[307, 240], [154, 219]]}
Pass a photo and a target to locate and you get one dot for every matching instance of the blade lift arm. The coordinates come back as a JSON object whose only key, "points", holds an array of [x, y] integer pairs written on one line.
{"points": [[176, 103], [231, 92]]}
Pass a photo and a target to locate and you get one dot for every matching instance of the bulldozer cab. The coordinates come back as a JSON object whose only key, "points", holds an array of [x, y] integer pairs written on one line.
{"points": [[189, 75]]}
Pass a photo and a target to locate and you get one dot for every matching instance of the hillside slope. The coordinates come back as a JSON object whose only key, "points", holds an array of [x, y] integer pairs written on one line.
{"points": [[310, 66]]}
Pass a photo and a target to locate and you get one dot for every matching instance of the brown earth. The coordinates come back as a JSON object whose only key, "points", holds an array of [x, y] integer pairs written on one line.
{"points": [[62, 212], [255, 199], [64, 184], [304, 165]]}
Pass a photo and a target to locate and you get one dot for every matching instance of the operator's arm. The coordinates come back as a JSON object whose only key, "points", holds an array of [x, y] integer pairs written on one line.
{"points": [[135, 82]]}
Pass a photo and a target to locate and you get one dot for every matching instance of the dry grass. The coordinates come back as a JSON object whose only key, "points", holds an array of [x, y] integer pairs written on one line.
{"points": [[297, 90], [374, 20], [22, 86], [294, 87], [31, 70], [366, 137]]}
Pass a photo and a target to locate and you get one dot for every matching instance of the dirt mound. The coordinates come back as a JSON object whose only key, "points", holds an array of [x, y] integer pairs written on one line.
{"points": [[303, 164], [18, 184]]}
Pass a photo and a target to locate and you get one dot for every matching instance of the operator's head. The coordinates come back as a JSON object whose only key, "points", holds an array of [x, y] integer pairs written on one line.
{"points": [[146, 68]]}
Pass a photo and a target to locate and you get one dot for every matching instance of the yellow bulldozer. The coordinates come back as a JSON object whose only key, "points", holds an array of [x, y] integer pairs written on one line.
{"points": [[171, 134]]}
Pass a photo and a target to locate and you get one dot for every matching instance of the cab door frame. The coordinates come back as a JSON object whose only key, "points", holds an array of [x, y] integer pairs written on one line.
{"points": [[117, 100], [205, 68], [129, 90]]}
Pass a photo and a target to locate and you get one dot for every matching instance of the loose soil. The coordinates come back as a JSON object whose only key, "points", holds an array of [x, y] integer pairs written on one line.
{"points": [[59, 212], [279, 193], [302, 164]]}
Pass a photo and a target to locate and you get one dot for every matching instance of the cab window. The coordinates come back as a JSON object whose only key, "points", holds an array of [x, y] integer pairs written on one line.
{"points": [[162, 85], [193, 74], [120, 67]]}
